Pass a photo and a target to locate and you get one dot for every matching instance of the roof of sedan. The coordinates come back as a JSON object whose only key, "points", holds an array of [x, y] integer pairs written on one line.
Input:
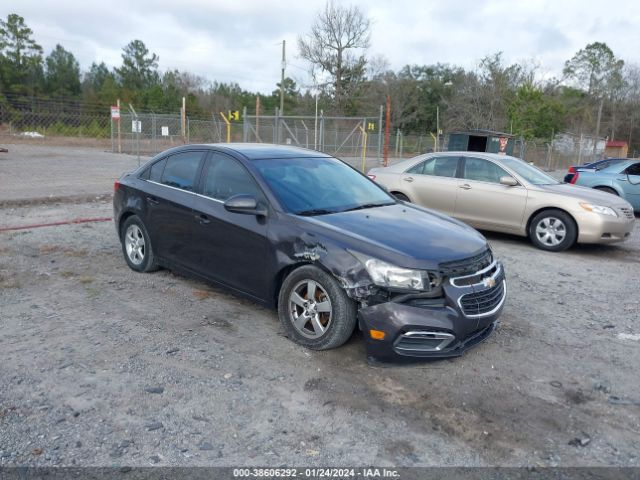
{"points": [[261, 151]]}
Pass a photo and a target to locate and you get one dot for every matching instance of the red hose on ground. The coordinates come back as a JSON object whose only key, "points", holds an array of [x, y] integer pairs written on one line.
{"points": [[54, 224]]}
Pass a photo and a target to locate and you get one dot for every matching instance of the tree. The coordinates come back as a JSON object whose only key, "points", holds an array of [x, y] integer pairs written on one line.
{"points": [[290, 94], [62, 76], [335, 45], [139, 68], [597, 70], [534, 115], [20, 57]]}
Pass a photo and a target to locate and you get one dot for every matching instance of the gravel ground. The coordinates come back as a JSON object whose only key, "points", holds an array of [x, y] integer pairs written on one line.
{"points": [[103, 366]]}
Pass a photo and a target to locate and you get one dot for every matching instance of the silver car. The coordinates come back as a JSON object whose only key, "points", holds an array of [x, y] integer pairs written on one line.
{"points": [[504, 194]]}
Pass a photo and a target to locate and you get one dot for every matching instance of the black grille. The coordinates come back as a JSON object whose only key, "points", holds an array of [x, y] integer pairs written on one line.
{"points": [[626, 212], [418, 343], [482, 302], [466, 266]]}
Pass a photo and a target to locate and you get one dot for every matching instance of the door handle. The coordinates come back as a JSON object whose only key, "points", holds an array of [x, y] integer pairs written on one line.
{"points": [[203, 219], [465, 186], [408, 179], [152, 201]]}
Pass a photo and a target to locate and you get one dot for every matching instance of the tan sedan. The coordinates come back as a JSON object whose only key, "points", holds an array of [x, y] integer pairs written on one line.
{"points": [[504, 194]]}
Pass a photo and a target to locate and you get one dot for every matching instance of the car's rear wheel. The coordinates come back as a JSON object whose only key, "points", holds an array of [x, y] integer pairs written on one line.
{"points": [[553, 230], [314, 309], [401, 196], [607, 189], [136, 245]]}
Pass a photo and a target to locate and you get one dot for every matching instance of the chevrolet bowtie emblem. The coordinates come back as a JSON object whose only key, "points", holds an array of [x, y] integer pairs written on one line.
{"points": [[489, 282]]}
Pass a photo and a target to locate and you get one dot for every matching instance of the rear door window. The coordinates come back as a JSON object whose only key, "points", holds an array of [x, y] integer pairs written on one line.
{"points": [[181, 169], [437, 166]]}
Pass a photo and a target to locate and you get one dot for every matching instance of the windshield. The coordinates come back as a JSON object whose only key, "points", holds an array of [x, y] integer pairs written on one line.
{"points": [[315, 186], [531, 174]]}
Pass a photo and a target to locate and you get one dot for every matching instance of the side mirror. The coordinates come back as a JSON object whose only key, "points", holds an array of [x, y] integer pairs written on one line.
{"points": [[244, 204], [508, 181]]}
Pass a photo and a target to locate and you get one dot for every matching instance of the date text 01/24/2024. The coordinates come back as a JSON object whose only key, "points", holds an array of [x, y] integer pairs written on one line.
{"points": [[316, 472]]}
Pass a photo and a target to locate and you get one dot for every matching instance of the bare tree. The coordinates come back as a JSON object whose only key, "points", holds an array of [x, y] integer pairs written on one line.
{"points": [[335, 45]]}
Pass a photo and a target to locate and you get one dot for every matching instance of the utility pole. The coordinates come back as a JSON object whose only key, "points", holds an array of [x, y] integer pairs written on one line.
{"points": [[284, 63]]}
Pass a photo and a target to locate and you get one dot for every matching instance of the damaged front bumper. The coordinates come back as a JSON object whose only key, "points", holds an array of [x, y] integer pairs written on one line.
{"points": [[437, 328]]}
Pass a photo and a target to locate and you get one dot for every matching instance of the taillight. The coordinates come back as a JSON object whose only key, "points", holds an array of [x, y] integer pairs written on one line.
{"points": [[574, 179], [572, 169], [371, 176], [116, 185]]}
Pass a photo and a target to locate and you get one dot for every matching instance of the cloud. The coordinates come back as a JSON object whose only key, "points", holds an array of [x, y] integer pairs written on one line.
{"points": [[241, 41]]}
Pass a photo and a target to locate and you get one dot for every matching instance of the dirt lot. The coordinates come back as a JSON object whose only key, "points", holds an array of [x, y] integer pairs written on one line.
{"points": [[104, 366]]}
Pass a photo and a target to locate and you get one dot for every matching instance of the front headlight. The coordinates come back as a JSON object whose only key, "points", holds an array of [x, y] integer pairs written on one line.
{"points": [[387, 275], [601, 209]]}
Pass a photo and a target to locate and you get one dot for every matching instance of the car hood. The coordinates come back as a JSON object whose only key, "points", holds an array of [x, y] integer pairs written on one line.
{"points": [[584, 193], [402, 234]]}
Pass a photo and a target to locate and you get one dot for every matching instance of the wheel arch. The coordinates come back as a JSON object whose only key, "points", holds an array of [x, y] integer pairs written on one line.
{"points": [[542, 209], [612, 186], [281, 275], [123, 218], [393, 192]]}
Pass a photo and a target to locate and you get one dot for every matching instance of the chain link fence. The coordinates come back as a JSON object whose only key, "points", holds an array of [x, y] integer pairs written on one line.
{"points": [[564, 150], [358, 140], [52, 125]]}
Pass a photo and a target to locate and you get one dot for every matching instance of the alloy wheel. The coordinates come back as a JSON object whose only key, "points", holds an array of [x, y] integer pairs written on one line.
{"points": [[135, 245], [310, 309]]}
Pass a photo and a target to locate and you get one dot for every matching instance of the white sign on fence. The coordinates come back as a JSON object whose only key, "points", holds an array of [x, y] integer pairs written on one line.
{"points": [[136, 126], [115, 112], [165, 131]]}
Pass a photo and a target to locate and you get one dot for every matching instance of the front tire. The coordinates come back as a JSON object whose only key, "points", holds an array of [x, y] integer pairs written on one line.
{"points": [[553, 230], [314, 309], [136, 245]]}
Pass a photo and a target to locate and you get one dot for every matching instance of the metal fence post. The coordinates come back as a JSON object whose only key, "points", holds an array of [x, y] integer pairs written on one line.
{"points": [[245, 126], [322, 130], [379, 156], [153, 133]]}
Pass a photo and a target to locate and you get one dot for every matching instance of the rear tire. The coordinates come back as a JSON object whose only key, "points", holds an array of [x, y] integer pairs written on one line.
{"points": [[553, 230], [608, 190], [401, 196], [136, 245], [314, 309]]}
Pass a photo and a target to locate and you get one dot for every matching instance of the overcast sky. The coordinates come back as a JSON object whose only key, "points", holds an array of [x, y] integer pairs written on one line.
{"points": [[240, 40]]}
